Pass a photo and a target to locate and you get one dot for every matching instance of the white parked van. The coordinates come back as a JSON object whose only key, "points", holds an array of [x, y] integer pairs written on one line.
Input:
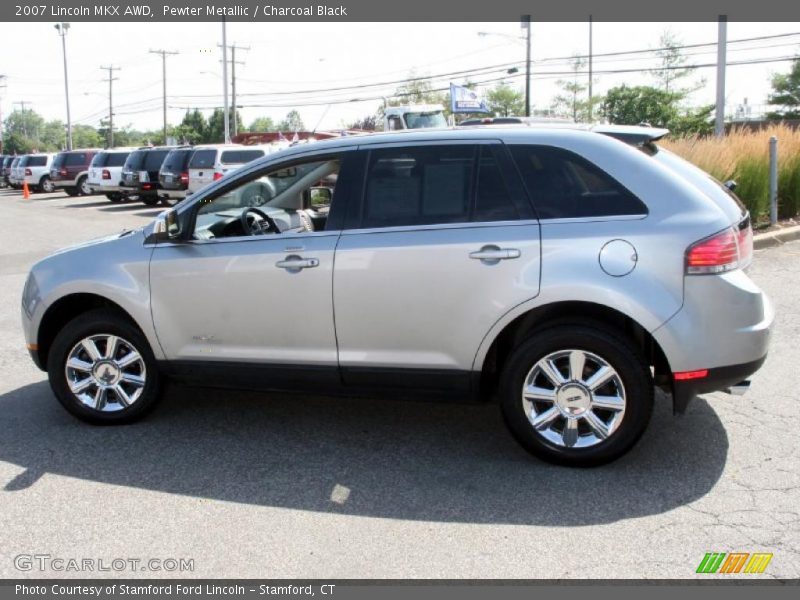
{"points": [[105, 173], [211, 162]]}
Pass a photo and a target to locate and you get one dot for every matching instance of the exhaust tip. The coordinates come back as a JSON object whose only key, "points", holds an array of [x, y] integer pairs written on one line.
{"points": [[740, 388]]}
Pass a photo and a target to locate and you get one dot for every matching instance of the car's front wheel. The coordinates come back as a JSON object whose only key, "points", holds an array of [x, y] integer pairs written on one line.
{"points": [[576, 395], [102, 369]]}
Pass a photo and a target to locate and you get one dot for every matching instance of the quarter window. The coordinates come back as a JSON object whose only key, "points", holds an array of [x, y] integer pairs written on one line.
{"points": [[565, 185], [493, 201], [418, 186]]}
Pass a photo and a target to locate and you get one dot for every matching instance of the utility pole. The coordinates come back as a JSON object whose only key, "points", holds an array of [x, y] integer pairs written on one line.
{"points": [[164, 54], [22, 103], [2, 87], [226, 116], [111, 79], [590, 67], [62, 29], [235, 62], [526, 24], [722, 40]]}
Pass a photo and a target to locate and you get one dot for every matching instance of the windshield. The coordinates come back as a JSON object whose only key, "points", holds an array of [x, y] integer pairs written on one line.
{"points": [[177, 160], [203, 159], [135, 160], [424, 120]]}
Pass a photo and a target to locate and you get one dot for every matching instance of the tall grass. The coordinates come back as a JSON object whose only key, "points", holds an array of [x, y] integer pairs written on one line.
{"points": [[743, 155]]}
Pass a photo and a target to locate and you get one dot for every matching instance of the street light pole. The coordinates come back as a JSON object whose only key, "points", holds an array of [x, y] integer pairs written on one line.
{"points": [[722, 40], [111, 79], [226, 116], [164, 54], [62, 29]]}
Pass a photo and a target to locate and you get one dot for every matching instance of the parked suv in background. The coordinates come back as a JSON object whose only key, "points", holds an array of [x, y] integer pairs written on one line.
{"points": [[5, 168], [36, 172], [105, 173], [16, 172], [173, 177], [4, 159], [140, 173], [210, 163], [557, 270], [70, 171]]}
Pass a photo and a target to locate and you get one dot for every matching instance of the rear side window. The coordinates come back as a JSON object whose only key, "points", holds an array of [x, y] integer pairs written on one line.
{"points": [[230, 157], [135, 160], [153, 159], [418, 186], [76, 159], [564, 185], [37, 161], [23, 161], [203, 159]]}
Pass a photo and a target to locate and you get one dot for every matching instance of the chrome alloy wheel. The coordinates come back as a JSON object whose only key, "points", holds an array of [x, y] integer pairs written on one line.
{"points": [[105, 372], [573, 398]]}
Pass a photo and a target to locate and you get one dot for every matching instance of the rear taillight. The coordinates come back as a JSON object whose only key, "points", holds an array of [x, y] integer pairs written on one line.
{"points": [[688, 375], [63, 172], [28, 172], [727, 250], [217, 176], [106, 174], [185, 178], [147, 186]]}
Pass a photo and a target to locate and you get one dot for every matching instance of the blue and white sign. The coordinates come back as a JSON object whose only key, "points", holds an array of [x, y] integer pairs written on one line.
{"points": [[464, 100]]}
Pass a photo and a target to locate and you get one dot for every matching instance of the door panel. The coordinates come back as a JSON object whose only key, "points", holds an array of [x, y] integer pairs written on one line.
{"points": [[226, 300], [415, 298]]}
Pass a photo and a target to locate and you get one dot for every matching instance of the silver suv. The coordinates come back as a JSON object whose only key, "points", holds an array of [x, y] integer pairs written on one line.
{"points": [[556, 270]]}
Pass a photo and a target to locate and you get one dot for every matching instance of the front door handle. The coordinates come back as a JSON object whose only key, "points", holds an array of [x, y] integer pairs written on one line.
{"points": [[296, 263], [493, 254]]}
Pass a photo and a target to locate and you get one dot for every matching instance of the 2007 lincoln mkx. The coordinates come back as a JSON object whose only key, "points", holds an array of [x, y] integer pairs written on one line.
{"points": [[563, 271]]}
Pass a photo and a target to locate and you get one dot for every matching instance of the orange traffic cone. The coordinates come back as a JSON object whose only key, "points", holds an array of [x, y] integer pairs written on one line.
{"points": [[26, 193]]}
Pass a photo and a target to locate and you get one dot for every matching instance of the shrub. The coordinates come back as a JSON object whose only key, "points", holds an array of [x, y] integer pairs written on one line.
{"points": [[743, 155]]}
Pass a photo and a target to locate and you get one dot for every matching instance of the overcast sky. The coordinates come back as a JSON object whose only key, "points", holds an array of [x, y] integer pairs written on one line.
{"points": [[296, 57]]}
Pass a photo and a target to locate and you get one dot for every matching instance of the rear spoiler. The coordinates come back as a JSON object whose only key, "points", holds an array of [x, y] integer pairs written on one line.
{"points": [[636, 135]]}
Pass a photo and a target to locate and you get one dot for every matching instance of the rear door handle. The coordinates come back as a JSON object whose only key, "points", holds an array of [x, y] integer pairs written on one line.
{"points": [[296, 263], [494, 254]]}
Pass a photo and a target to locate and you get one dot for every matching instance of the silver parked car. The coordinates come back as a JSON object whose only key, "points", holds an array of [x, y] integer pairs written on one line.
{"points": [[554, 269]]}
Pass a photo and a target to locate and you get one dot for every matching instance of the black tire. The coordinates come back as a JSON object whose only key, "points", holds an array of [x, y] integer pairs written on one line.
{"points": [[149, 200], [45, 185], [83, 190], [71, 191], [609, 345], [98, 322], [114, 197]]}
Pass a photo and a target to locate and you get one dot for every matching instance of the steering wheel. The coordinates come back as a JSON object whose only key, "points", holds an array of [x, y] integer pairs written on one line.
{"points": [[257, 223]]}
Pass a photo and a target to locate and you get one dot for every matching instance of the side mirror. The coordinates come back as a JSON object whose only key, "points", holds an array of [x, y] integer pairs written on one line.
{"points": [[167, 225], [320, 197]]}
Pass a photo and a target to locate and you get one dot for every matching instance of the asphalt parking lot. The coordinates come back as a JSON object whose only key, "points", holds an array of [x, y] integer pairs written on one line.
{"points": [[264, 485]]}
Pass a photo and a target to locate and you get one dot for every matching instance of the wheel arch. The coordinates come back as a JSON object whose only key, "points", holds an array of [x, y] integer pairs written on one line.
{"points": [[64, 310], [489, 365]]}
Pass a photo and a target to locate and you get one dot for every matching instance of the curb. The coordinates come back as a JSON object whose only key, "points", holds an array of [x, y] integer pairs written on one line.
{"points": [[776, 238]]}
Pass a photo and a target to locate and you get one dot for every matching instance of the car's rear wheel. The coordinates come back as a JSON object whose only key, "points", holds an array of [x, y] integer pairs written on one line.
{"points": [[46, 185], [170, 201], [83, 186], [102, 369], [115, 197], [71, 191], [149, 200], [576, 395]]}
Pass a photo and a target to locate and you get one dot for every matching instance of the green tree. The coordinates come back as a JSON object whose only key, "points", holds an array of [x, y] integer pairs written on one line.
{"points": [[215, 132], [292, 122], [505, 101], [786, 93], [625, 105], [26, 123], [86, 136], [262, 124], [367, 123], [573, 101], [671, 69], [192, 129]]}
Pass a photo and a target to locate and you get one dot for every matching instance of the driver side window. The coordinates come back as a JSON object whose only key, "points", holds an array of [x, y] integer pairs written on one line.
{"points": [[292, 198]]}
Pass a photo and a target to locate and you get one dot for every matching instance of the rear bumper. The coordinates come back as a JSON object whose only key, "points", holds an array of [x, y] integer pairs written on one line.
{"points": [[718, 379], [172, 194], [104, 188]]}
